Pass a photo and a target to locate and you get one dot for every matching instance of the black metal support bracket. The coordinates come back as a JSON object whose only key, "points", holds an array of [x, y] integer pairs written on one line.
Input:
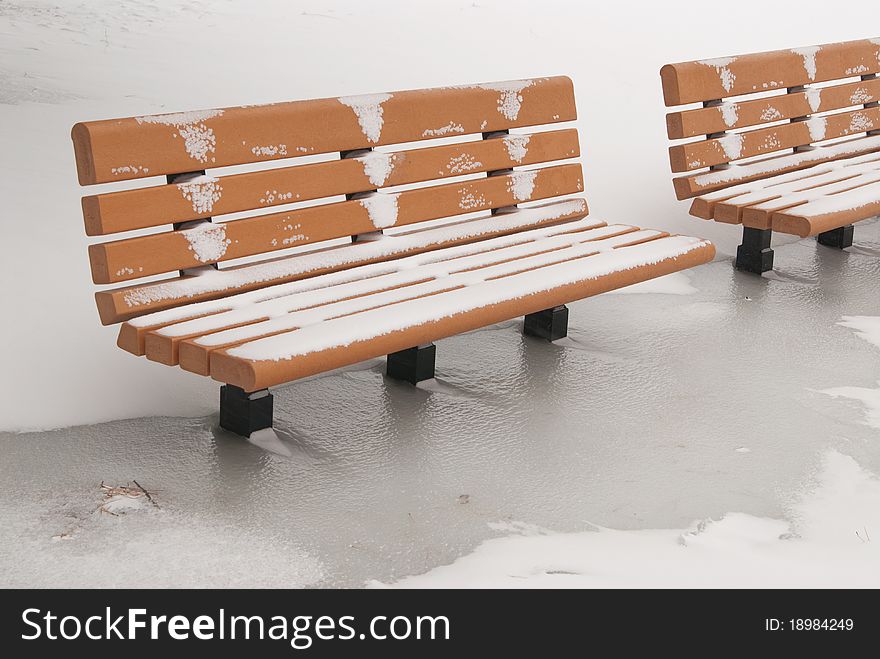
{"points": [[755, 255], [244, 413], [550, 324], [413, 364], [839, 238]]}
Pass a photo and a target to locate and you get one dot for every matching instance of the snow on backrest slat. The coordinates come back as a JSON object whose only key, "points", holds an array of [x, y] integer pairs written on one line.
{"points": [[711, 79], [136, 147], [205, 196]]}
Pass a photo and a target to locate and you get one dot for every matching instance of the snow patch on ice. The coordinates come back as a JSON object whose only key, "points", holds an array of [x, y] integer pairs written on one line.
{"points": [[866, 327], [201, 191], [522, 184], [824, 544], [207, 241], [381, 207], [517, 146], [368, 110], [808, 53], [677, 283]]}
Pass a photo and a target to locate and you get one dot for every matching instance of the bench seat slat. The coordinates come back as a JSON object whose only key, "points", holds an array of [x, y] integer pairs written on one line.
{"points": [[132, 258], [697, 184], [129, 302], [760, 202], [802, 203], [371, 333], [136, 147], [704, 153], [830, 211], [408, 280], [208, 196]]}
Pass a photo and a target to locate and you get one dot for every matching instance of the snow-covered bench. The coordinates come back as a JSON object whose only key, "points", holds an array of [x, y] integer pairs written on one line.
{"points": [[814, 109], [385, 270]]}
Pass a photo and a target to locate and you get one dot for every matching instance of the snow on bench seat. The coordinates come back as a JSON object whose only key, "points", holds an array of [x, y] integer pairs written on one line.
{"points": [[842, 191], [127, 303], [444, 305]]}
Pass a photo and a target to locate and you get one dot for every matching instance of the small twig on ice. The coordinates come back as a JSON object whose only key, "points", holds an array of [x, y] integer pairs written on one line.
{"points": [[146, 494]]}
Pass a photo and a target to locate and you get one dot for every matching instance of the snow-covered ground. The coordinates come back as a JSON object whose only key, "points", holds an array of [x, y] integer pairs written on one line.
{"points": [[601, 460]]}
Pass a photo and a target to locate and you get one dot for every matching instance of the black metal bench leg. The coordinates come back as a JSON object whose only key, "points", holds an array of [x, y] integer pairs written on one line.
{"points": [[755, 255], [413, 364], [550, 324], [244, 413], [840, 238]]}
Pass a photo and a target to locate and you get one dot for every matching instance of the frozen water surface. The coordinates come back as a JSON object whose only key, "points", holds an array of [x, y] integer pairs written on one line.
{"points": [[710, 393], [638, 420]]}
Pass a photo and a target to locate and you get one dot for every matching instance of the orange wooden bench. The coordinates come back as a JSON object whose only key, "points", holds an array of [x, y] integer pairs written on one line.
{"points": [[796, 151], [383, 270]]}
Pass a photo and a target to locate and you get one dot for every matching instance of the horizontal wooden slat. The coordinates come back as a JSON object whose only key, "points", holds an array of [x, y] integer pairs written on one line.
{"points": [[764, 210], [287, 312], [381, 331], [701, 183], [121, 149], [132, 258], [725, 205], [734, 146], [199, 317], [131, 301], [208, 196], [830, 212], [706, 80], [754, 112]]}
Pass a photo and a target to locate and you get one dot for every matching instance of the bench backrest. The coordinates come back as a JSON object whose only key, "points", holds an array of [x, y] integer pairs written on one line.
{"points": [[185, 147], [785, 100]]}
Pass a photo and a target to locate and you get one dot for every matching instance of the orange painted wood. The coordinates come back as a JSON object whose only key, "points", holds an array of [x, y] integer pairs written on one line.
{"points": [[706, 80], [121, 304], [789, 221], [142, 256], [253, 375], [704, 153], [136, 147], [692, 184], [212, 196], [168, 346], [754, 112]]}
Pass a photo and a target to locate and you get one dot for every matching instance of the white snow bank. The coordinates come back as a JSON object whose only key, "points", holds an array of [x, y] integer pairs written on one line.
{"points": [[866, 327], [825, 543]]}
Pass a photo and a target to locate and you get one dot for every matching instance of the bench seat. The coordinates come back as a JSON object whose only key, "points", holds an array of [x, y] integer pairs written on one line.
{"points": [[289, 331], [785, 141], [805, 202]]}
